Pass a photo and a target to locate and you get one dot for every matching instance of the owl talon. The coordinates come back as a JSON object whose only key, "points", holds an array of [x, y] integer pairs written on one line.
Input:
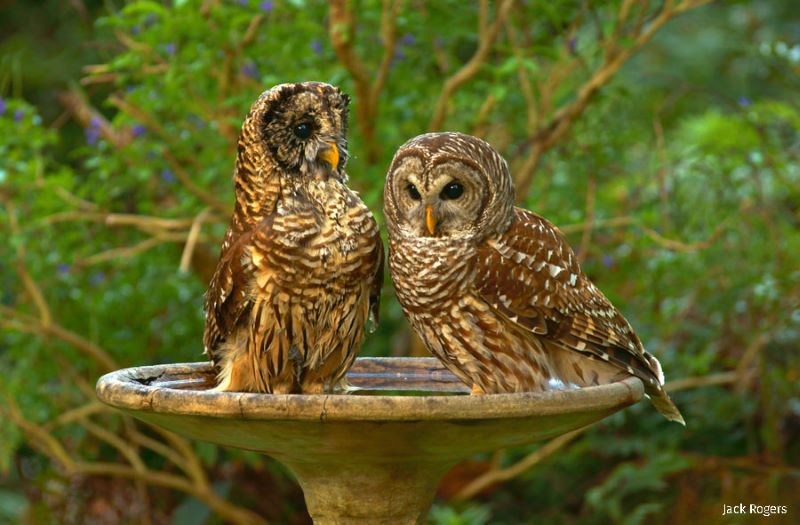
{"points": [[476, 390]]}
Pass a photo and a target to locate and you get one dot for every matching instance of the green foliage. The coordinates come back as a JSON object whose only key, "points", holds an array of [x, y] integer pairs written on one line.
{"points": [[630, 481], [469, 515], [679, 183]]}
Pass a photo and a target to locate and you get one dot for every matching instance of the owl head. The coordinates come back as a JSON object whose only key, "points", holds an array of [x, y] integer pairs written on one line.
{"points": [[448, 185], [296, 130]]}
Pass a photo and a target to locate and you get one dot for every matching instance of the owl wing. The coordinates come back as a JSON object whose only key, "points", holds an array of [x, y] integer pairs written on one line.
{"points": [[377, 282], [269, 253], [530, 275], [227, 299]]}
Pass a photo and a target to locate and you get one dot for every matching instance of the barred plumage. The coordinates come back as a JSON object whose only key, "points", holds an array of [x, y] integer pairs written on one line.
{"points": [[495, 291], [302, 262]]}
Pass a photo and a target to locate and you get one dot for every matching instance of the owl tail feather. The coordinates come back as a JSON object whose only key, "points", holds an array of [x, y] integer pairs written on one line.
{"points": [[665, 405]]}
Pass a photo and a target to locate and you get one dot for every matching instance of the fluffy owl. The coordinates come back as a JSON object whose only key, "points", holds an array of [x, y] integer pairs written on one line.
{"points": [[495, 291], [301, 264]]}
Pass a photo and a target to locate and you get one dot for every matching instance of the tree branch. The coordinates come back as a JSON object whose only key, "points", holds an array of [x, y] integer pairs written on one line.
{"points": [[30, 285], [191, 239], [493, 476], [487, 37], [25, 323], [614, 58], [48, 445], [342, 34]]}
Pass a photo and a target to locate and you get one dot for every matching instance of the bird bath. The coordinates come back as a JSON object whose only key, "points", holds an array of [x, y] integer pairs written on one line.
{"points": [[371, 457]]}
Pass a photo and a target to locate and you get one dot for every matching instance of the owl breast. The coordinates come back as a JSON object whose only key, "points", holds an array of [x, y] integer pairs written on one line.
{"points": [[337, 236], [435, 270], [435, 283]]}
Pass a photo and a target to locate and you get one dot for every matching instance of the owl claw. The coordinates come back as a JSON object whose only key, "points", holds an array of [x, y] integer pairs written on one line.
{"points": [[476, 390]]}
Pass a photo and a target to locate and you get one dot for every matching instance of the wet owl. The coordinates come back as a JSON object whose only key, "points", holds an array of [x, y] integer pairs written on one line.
{"points": [[301, 264], [495, 291]]}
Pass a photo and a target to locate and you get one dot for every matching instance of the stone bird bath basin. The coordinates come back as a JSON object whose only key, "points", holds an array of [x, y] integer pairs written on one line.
{"points": [[370, 457]]}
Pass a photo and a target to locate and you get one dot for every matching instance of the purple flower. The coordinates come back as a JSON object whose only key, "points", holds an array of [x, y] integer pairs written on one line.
{"points": [[135, 30], [170, 48], [63, 269], [572, 45], [250, 69], [19, 115], [138, 130], [2, 105], [92, 132], [316, 46], [195, 121], [399, 55], [97, 278], [167, 176], [743, 101], [608, 261], [92, 136], [266, 6], [407, 40], [244, 2]]}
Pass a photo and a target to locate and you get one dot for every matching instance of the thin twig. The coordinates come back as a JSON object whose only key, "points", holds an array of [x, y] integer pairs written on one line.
{"points": [[722, 378], [669, 244], [145, 223], [70, 374], [115, 441], [586, 236], [87, 116], [28, 283], [750, 354], [389, 13], [191, 240], [531, 108], [75, 414], [160, 448], [491, 477], [661, 172], [127, 251], [25, 323]]}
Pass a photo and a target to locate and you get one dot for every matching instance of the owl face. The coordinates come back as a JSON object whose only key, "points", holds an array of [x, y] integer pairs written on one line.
{"points": [[302, 127], [448, 185]]}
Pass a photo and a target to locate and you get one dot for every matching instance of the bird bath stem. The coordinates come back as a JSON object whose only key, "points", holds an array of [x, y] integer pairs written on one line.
{"points": [[373, 457]]}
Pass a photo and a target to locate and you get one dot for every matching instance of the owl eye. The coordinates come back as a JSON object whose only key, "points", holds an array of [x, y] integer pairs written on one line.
{"points": [[453, 190], [303, 130], [413, 193]]}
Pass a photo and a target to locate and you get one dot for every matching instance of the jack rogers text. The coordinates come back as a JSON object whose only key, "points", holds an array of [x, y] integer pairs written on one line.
{"points": [[752, 508]]}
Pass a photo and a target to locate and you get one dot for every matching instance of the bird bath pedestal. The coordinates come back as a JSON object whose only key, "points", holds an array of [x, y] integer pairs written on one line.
{"points": [[371, 457]]}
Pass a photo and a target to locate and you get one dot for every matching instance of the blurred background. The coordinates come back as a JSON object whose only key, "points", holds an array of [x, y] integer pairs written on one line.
{"points": [[662, 136]]}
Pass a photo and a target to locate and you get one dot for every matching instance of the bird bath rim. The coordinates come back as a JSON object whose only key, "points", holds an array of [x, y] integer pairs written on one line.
{"points": [[361, 459], [159, 388]]}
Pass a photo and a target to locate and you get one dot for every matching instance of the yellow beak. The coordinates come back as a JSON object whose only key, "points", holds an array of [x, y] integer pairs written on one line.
{"points": [[330, 155], [430, 220]]}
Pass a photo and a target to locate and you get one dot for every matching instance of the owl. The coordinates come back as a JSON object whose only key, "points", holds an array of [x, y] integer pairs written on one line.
{"points": [[301, 265], [495, 291]]}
